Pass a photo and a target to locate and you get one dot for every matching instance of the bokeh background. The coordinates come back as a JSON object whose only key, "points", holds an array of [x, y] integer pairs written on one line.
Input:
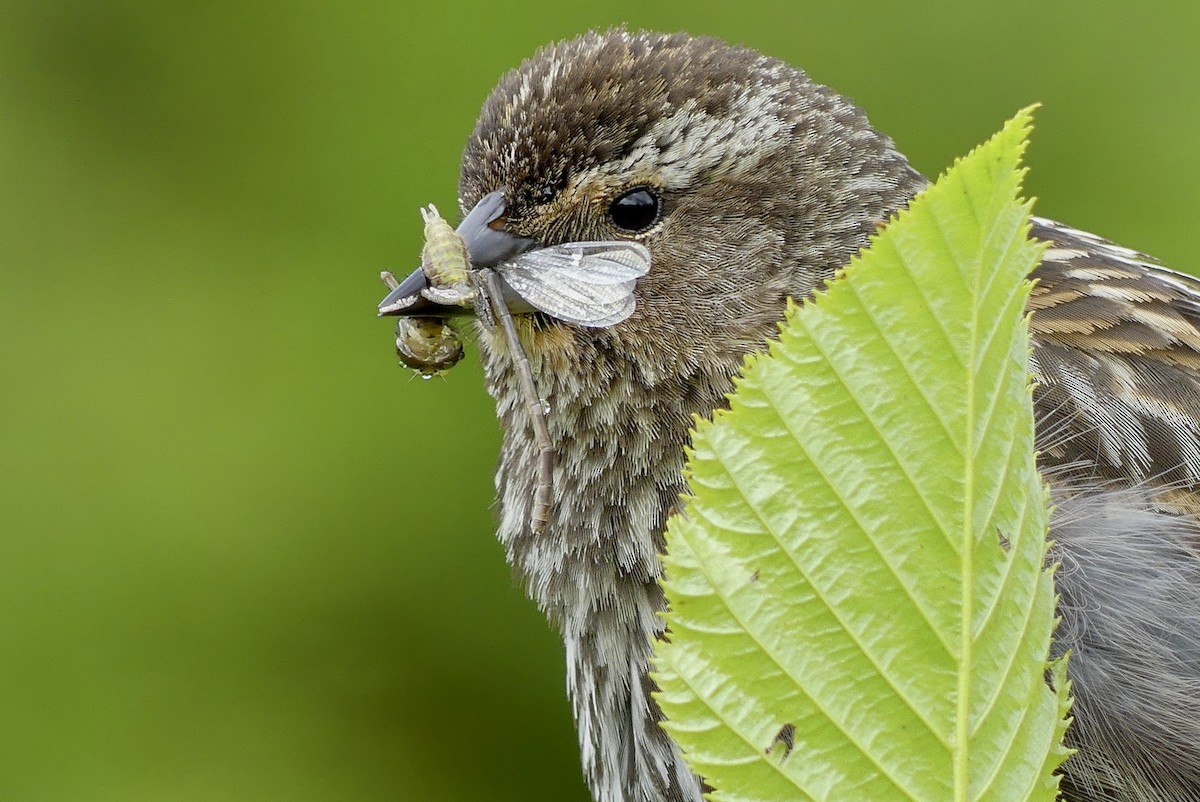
{"points": [[243, 556]]}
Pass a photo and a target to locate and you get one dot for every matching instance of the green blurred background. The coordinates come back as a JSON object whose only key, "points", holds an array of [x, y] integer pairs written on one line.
{"points": [[244, 556]]}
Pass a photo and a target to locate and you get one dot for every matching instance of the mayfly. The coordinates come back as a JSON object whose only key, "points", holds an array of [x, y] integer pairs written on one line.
{"points": [[587, 284]]}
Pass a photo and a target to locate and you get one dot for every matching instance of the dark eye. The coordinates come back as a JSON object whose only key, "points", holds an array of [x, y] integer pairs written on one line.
{"points": [[635, 211]]}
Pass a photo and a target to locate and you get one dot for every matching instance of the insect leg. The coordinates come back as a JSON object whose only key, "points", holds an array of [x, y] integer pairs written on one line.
{"points": [[537, 413]]}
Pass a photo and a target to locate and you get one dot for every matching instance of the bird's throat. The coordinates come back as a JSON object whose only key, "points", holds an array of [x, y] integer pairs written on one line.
{"points": [[619, 455]]}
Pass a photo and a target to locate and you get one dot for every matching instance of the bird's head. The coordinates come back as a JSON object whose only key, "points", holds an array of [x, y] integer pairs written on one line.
{"points": [[747, 182]]}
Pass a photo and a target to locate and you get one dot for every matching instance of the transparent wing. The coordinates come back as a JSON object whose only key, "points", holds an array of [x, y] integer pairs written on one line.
{"points": [[587, 283]]}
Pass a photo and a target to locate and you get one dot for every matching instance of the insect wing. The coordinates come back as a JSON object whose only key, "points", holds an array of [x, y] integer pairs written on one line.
{"points": [[586, 283], [605, 262], [559, 296]]}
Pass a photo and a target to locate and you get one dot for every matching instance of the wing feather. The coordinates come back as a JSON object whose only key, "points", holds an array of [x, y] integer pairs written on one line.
{"points": [[1117, 358]]}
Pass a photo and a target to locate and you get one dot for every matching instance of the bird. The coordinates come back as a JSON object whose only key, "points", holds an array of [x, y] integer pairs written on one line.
{"points": [[750, 184]]}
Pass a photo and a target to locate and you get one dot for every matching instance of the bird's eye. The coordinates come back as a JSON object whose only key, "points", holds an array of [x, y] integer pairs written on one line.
{"points": [[635, 211]]}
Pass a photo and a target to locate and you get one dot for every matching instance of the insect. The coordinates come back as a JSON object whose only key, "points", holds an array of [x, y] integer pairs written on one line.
{"points": [[426, 344], [587, 284], [445, 263]]}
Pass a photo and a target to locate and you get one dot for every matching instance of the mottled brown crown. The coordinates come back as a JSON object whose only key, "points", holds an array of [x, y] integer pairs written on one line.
{"points": [[582, 103]]}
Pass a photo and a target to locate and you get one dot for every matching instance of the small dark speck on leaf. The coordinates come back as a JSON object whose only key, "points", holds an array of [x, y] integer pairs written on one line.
{"points": [[754, 576], [1004, 542], [785, 736]]}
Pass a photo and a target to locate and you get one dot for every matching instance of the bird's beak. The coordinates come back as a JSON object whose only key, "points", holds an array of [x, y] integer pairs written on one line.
{"points": [[488, 244]]}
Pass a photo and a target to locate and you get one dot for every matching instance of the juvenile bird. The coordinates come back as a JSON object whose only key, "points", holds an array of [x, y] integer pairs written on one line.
{"points": [[751, 184]]}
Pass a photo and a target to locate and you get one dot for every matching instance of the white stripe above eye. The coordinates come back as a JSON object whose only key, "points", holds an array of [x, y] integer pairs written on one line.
{"points": [[690, 142]]}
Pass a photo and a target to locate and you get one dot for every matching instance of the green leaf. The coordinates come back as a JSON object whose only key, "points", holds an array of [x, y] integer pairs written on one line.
{"points": [[858, 604]]}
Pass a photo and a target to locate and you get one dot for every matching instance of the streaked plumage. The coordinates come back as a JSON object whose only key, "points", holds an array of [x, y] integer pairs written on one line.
{"points": [[768, 183], [1117, 355]]}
